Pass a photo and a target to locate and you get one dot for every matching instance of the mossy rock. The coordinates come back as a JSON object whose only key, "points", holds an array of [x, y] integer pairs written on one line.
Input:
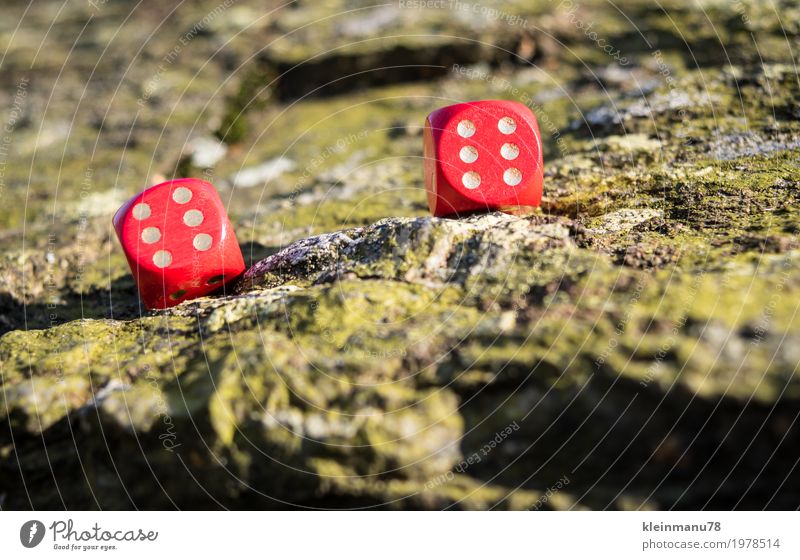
{"points": [[632, 344]]}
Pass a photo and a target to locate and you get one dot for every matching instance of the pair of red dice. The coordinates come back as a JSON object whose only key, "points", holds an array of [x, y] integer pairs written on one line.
{"points": [[179, 242]]}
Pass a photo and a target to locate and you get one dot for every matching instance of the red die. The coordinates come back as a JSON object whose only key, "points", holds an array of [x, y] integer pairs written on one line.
{"points": [[179, 242], [482, 155]]}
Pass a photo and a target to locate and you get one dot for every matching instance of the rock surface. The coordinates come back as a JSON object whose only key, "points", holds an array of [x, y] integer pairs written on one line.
{"points": [[632, 344]]}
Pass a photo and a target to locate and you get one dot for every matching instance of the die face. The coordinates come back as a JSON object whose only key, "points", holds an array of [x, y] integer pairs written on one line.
{"points": [[178, 241], [482, 155]]}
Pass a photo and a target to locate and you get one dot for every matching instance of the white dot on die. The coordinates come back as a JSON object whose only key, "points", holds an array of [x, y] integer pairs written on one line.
{"points": [[509, 151], [193, 218], [468, 154], [512, 176], [181, 195], [151, 235], [471, 180], [141, 211], [162, 259], [466, 128], [506, 125], [202, 241]]}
